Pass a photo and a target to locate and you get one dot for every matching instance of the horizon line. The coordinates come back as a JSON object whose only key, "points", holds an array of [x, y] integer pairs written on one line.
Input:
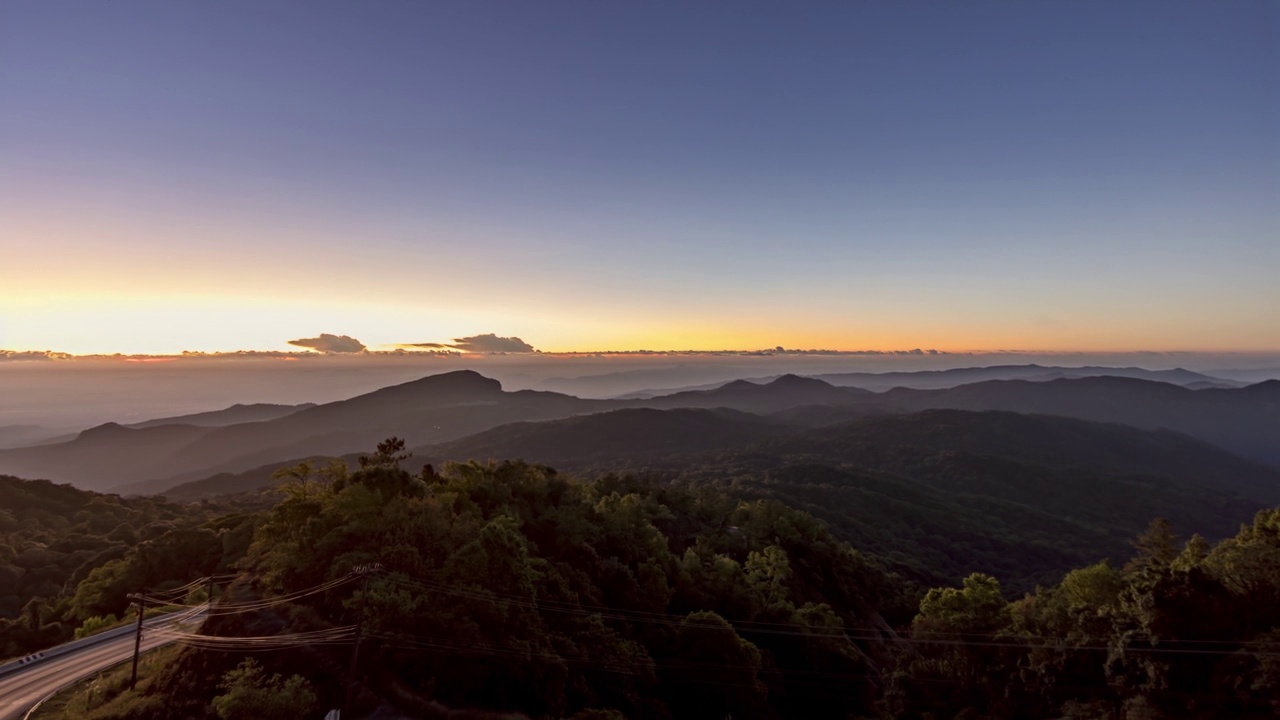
{"points": [[10, 355]]}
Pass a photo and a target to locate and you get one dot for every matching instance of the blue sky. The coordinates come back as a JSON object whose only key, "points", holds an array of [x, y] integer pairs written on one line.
{"points": [[214, 176]]}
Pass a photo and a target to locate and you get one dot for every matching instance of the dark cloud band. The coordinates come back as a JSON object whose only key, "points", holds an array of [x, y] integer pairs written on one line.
{"points": [[327, 343], [487, 343]]}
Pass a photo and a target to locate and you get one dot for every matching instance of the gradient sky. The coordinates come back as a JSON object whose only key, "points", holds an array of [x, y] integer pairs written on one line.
{"points": [[600, 175]]}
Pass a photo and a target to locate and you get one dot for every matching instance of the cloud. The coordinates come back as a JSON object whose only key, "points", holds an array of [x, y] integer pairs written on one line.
{"points": [[487, 343], [32, 355], [327, 343]]}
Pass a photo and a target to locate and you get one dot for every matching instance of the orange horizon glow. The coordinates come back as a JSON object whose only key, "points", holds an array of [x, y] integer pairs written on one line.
{"points": [[289, 354]]}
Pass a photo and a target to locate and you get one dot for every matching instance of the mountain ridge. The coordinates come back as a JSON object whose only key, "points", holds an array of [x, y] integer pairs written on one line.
{"points": [[237, 413], [444, 407]]}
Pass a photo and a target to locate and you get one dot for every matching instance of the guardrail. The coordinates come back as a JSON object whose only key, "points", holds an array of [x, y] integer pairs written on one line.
{"points": [[59, 650]]}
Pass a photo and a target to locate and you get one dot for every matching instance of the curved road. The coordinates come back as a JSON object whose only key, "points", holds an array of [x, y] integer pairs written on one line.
{"points": [[21, 690]]}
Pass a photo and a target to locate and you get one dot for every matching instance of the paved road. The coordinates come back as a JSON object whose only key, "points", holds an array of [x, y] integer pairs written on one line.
{"points": [[21, 690]]}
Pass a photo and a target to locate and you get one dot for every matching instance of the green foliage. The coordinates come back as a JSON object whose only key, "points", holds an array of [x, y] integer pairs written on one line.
{"points": [[390, 454], [249, 693], [68, 555], [976, 609], [937, 495], [96, 624], [714, 671], [511, 587], [1157, 547], [1182, 632]]}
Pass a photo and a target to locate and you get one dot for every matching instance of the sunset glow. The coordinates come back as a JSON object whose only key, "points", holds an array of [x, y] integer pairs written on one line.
{"points": [[1127, 206]]}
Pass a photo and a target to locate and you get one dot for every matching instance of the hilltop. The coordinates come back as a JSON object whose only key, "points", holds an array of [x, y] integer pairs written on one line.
{"points": [[450, 406]]}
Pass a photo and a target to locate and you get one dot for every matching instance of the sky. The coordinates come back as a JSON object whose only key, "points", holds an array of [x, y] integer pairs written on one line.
{"points": [[1060, 176]]}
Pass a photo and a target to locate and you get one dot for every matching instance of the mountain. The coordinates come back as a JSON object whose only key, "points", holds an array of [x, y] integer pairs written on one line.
{"points": [[1210, 385], [438, 409], [103, 456], [889, 442], [12, 436], [649, 393], [895, 442], [784, 392], [944, 492], [450, 406], [237, 413], [616, 384], [941, 379], [433, 409], [1245, 420], [1248, 376], [940, 493], [619, 435]]}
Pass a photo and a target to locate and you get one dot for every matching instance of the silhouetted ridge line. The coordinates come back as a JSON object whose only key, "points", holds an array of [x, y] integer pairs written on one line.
{"points": [[105, 430]]}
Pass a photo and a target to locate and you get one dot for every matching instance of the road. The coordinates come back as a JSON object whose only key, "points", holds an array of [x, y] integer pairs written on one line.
{"points": [[21, 690]]}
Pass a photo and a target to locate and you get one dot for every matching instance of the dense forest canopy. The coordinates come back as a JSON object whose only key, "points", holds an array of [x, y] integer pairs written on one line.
{"points": [[937, 494], [510, 587], [68, 556]]}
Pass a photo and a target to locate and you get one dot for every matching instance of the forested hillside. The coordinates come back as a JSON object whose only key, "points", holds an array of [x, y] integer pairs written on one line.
{"points": [[1183, 630], [511, 588], [817, 561], [939, 493], [68, 556], [1243, 420]]}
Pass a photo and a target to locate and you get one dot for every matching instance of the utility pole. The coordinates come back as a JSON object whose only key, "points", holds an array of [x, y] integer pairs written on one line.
{"points": [[210, 601], [137, 636], [365, 571]]}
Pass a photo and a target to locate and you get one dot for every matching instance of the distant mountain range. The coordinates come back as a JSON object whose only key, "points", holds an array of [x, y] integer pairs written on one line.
{"points": [[942, 379], [13, 436], [777, 394], [16, 436], [156, 455], [870, 441], [233, 415], [147, 459], [1244, 420], [938, 492], [626, 436]]}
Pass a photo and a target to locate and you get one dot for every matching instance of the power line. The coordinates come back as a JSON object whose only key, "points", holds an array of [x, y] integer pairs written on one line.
{"points": [[329, 636], [796, 629]]}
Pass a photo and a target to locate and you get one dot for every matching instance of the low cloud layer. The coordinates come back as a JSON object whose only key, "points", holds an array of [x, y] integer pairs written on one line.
{"points": [[31, 355], [327, 343], [487, 343]]}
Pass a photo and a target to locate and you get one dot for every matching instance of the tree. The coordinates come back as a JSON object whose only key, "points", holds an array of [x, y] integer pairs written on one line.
{"points": [[251, 694], [389, 454], [977, 609], [1157, 546], [713, 672], [965, 669]]}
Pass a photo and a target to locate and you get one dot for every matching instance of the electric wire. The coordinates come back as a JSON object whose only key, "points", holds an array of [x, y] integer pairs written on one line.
{"points": [[793, 629], [231, 608], [329, 636]]}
